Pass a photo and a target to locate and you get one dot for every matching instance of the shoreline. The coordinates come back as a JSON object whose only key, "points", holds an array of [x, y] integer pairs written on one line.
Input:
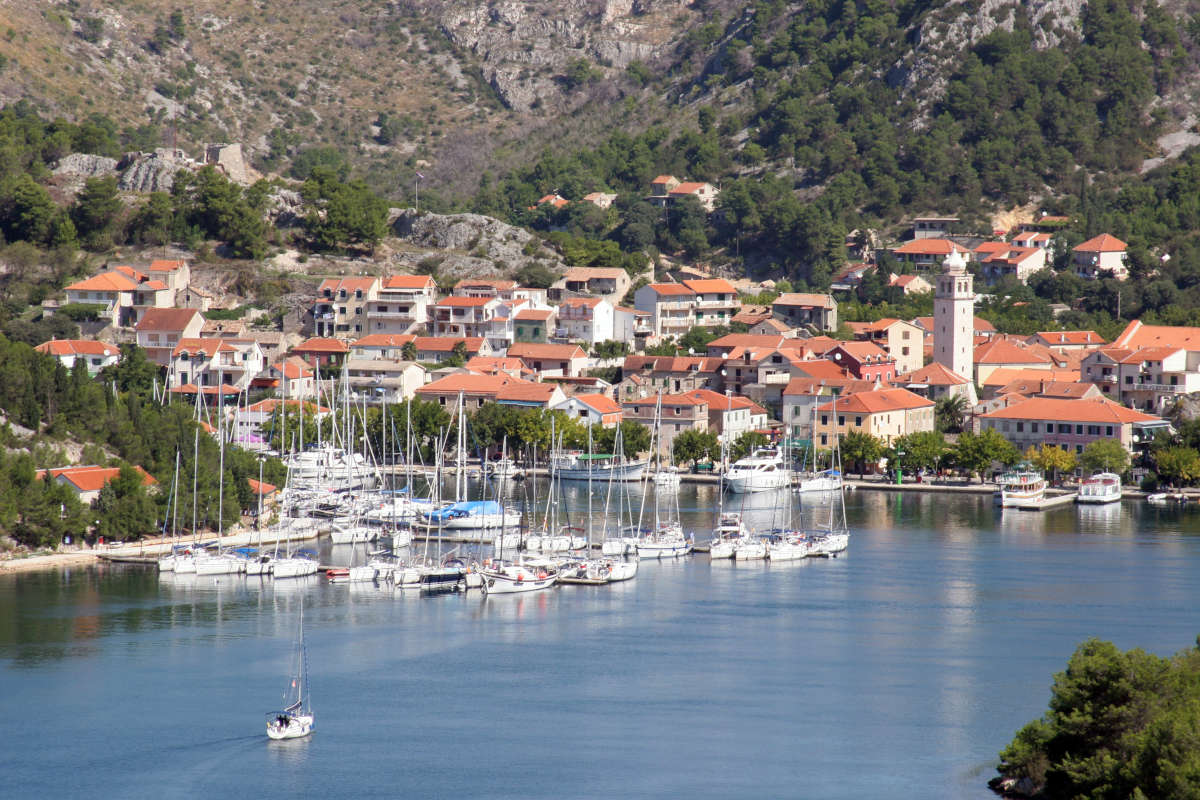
{"points": [[155, 546]]}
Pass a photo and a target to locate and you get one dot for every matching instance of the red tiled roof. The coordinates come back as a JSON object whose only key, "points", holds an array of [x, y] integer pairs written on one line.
{"points": [[671, 364], [534, 314], [351, 285], [878, 401], [320, 345], [408, 282], [711, 286], [105, 282], [766, 340], [1098, 409], [537, 350], [1104, 243], [500, 284], [444, 344], [206, 347], [385, 340], [527, 392], [166, 319], [719, 401], [269, 406], [260, 487], [1002, 376], [1002, 351], [131, 273], [494, 364], [667, 400], [930, 247], [817, 386], [162, 265], [933, 374], [664, 179], [77, 347], [600, 403], [464, 302], [587, 273], [1138, 335], [585, 302], [820, 368], [671, 289], [469, 383], [1052, 338], [292, 370], [688, 187], [92, 478], [805, 300], [861, 351]]}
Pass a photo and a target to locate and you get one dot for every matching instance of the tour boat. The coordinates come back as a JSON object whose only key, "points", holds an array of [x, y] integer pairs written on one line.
{"points": [[506, 577], [1103, 487], [760, 471], [1021, 488], [296, 719], [597, 467]]}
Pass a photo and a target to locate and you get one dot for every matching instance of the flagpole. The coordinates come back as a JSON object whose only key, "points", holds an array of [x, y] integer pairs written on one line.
{"points": [[417, 178]]}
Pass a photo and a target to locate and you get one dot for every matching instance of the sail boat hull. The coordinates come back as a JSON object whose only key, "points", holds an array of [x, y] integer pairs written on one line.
{"points": [[289, 726]]}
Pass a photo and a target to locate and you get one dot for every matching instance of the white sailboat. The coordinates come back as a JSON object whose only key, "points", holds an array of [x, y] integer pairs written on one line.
{"points": [[296, 719], [666, 540]]}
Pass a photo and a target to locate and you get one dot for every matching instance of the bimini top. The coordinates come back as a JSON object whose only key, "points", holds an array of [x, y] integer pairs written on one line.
{"points": [[468, 508]]}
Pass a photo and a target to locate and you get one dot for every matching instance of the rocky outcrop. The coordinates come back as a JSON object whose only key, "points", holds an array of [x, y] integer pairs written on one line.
{"points": [[82, 165], [152, 172], [470, 245], [524, 49]]}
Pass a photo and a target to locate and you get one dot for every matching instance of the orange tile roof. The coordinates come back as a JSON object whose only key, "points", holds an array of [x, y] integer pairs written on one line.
{"points": [[205, 347], [1053, 338], [863, 350], [1097, 409], [408, 282], [77, 347], [671, 364], [464, 302], [718, 401], [131, 273], [1011, 255], [494, 364], [385, 340], [929, 247], [1150, 354], [166, 319], [1137, 335], [260, 487], [805, 300], [664, 179], [92, 478], [585, 302], [878, 401], [527, 392], [820, 368], [163, 265], [351, 285], [1002, 351], [587, 273], [933, 374], [778, 325], [667, 400], [767, 340], [1104, 243], [321, 345], [688, 187], [671, 289], [600, 403], [444, 344], [1002, 376], [539, 350], [469, 383], [500, 284], [292, 370], [710, 286], [817, 385], [105, 282], [534, 314]]}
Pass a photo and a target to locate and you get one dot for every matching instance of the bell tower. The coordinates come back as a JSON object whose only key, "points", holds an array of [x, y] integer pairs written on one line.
{"points": [[954, 317]]}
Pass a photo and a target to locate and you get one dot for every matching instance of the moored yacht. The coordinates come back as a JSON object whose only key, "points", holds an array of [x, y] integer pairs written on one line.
{"points": [[727, 535], [760, 471], [1103, 487]]}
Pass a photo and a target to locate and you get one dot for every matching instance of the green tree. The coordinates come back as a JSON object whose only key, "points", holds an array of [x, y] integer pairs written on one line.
{"points": [[409, 351], [949, 412], [609, 348], [1051, 459], [860, 449], [1105, 455], [746, 444], [153, 222], [917, 451], [96, 212], [635, 438], [124, 509], [535, 275], [693, 445], [976, 453], [342, 213], [1178, 466], [133, 372], [697, 338]]}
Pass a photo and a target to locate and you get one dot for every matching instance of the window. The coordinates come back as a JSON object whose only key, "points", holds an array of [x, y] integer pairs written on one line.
{"points": [[1108, 430], [1020, 427], [342, 294], [358, 309], [858, 421], [824, 421], [1128, 379], [1033, 427], [341, 309], [358, 294], [1064, 428], [1079, 429], [520, 331], [841, 419], [678, 411], [534, 331], [824, 439]]}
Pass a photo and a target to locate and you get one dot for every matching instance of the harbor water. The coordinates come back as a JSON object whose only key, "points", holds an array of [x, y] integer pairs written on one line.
{"points": [[897, 670]]}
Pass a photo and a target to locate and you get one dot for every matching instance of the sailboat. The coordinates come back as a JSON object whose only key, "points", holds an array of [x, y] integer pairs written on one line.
{"points": [[667, 539], [295, 721], [730, 531]]}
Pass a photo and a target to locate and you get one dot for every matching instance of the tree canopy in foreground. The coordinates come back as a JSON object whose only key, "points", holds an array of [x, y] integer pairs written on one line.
{"points": [[1121, 724]]}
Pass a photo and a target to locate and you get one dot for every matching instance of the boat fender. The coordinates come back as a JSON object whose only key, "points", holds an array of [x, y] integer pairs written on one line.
{"points": [[542, 576], [520, 578]]}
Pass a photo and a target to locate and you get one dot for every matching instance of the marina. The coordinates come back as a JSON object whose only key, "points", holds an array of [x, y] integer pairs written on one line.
{"points": [[902, 667]]}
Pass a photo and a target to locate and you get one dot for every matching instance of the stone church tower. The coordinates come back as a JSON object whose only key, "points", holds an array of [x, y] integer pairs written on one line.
{"points": [[954, 318]]}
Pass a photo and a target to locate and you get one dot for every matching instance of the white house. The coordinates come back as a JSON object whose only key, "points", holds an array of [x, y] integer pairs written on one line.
{"points": [[161, 329], [592, 409], [1101, 254], [585, 319], [96, 355]]}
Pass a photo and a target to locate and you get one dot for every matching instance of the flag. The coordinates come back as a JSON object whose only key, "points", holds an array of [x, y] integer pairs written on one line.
{"points": [[419, 175]]}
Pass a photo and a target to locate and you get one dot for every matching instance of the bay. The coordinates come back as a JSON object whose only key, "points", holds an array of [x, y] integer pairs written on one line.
{"points": [[901, 668]]}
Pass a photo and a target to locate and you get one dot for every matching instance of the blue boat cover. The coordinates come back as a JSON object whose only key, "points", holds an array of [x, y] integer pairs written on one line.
{"points": [[469, 508]]}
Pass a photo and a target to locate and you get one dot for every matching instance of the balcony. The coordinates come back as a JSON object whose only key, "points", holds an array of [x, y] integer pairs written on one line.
{"points": [[1166, 388]]}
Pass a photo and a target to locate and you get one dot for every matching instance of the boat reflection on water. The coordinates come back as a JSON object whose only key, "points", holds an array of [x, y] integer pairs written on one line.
{"points": [[1022, 522], [1107, 519]]}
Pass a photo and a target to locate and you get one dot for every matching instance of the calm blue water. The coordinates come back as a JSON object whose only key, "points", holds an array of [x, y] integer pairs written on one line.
{"points": [[898, 670]]}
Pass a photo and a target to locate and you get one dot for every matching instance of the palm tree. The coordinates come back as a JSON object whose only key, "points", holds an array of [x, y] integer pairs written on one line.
{"points": [[949, 412]]}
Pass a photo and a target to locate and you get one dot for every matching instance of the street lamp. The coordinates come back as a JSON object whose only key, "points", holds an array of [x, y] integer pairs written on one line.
{"points": [[899, 468]]}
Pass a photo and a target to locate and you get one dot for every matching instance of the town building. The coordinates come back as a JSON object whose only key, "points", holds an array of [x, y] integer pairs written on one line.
{"points": [[953, 317], [69, 352], [551, 359], [1101, 254], [87, 481], [669, 305], [902, 340], [1071, 424], [161, 329], [1068, 340], [436, 349], [668, 374], [379, 380], [460, 315], [588, 320], [341, 305], [679, 413], [911, 284], [936, 381], [1011, 261], [803, 394], [611, 283], [401, 304], [933, 227], [925, 254], [886, 414], [592, 409], [534, 324], [320, 352], [799, 309], [714, 301], [864, 360], [729, 416], [214, 363]]}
